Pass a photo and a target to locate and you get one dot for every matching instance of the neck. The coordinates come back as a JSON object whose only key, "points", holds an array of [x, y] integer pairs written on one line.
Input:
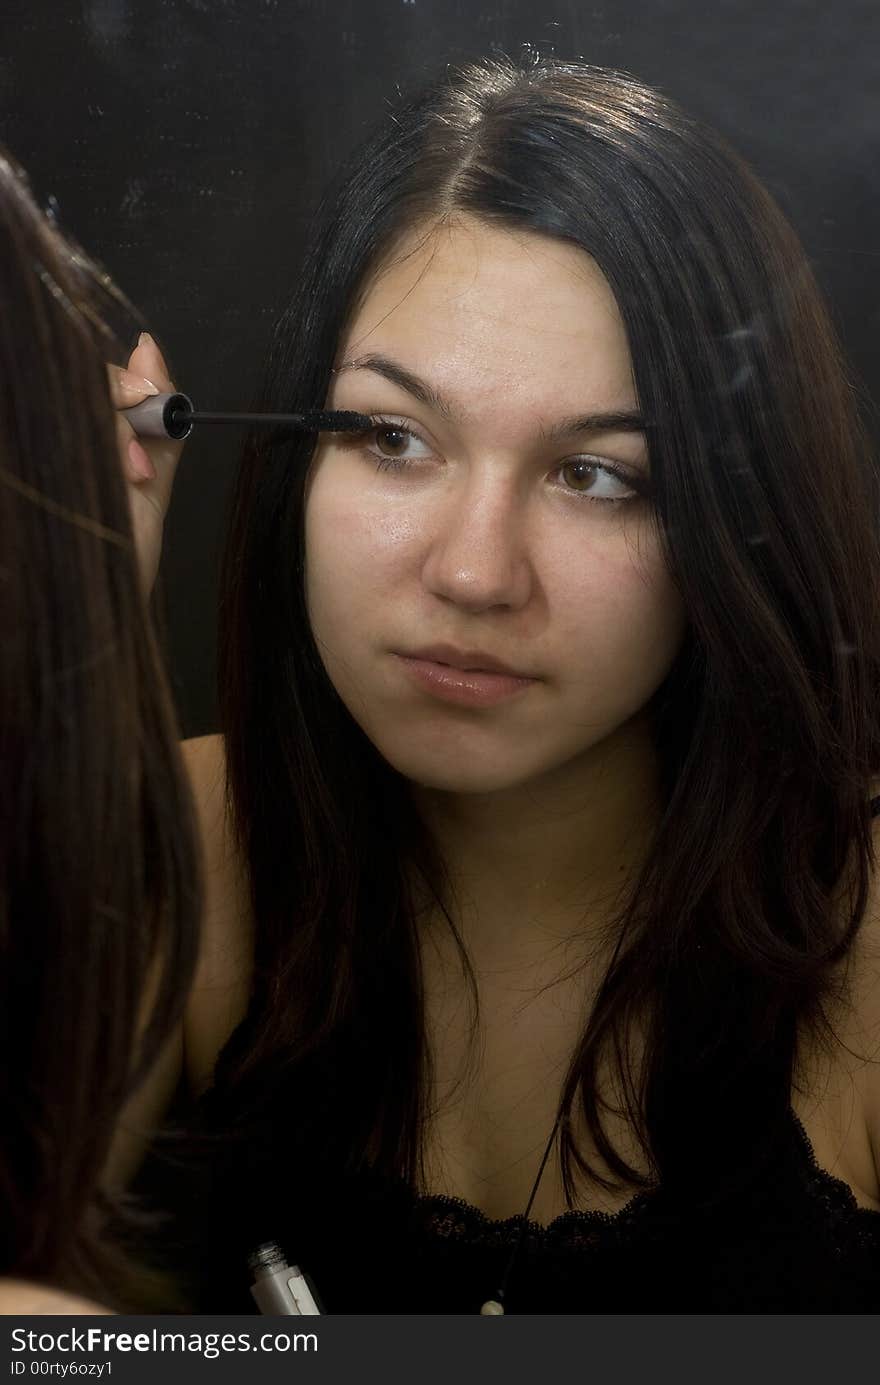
{"points": [[553, 857]]}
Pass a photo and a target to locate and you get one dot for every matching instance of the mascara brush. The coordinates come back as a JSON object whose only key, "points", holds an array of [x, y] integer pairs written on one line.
{"points": [[173, 416]]}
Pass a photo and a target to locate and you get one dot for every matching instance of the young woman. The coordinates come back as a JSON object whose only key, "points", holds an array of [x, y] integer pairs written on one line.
{"points": [[545, 907], [99, 897]]}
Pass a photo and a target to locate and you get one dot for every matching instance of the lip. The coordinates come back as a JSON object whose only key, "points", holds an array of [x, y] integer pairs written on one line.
{"points": [[466, 660], [464, 683]]}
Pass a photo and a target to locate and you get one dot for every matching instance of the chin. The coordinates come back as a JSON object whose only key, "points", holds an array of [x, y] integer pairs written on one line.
{"points": [[459, 774]]}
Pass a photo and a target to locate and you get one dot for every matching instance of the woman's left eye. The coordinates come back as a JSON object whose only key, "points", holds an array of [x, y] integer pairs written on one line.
{"points": [[596, 480]]}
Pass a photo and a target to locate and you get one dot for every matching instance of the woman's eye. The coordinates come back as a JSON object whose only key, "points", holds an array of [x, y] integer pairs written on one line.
{"points": [[597, 480], [390, 442]]}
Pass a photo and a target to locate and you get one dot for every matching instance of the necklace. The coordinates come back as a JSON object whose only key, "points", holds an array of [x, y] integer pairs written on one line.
{"points": [[494, 1307]]}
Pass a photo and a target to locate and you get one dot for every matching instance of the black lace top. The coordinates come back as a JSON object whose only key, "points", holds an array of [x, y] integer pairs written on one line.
{"points": [[809, 1248], [795, 1242], [798, 1244]]}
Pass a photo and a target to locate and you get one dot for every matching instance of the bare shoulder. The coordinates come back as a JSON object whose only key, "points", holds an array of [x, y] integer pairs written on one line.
{"points": [[863, 991], [837, 1095], [17, 1296], [219, 995]]}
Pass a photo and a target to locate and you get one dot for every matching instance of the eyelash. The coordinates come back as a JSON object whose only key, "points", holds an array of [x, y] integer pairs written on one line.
{"points": [[401, 464]]}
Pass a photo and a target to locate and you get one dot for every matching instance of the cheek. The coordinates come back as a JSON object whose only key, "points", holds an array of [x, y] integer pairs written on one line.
{"points": [[621, 618], [356, 550]]}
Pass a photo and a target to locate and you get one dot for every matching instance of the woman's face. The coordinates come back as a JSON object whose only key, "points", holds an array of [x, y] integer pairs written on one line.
{"points": [[484, 576]]}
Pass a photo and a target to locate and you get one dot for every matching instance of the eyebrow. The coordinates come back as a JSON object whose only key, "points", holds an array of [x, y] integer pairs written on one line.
{"points": [[610, 421]]}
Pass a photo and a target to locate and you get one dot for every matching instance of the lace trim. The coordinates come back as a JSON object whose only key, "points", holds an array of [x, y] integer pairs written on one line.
{"points": [[444, 1214], [454, 1218], [834, 1191]]}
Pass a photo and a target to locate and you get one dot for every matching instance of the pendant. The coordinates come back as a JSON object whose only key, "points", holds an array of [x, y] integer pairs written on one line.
{"points": [[491, 1309]]}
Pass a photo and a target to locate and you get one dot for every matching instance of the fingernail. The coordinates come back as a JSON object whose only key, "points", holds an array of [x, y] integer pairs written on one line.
{"points": [[144, 336], [136, 383], [140, 462]]}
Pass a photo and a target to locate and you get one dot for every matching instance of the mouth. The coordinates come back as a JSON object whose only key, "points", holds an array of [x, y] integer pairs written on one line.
{"points": [[466, 661], [468, 678]]}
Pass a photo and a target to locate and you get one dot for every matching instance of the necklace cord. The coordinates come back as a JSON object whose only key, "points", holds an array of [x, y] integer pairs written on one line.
{"points": [[508, 1269]]}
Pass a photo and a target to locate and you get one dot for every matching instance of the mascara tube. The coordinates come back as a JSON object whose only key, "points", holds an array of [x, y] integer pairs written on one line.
{"points": [[279, 1288], [173, 416], [162, 416]]}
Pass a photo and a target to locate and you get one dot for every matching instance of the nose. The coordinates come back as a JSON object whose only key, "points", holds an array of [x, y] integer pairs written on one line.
{"points": [[478, 553]]}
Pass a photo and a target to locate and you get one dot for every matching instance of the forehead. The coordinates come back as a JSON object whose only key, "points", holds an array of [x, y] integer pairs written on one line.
{"points": [[477, 309]]}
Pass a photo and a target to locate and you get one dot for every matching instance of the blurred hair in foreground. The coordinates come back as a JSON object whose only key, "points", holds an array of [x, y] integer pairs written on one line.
{"points": [[99, 887]]}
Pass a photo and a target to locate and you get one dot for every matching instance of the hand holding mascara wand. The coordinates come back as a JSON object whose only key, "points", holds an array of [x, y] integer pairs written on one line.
{"points": [[158, 419], [173, 416]]}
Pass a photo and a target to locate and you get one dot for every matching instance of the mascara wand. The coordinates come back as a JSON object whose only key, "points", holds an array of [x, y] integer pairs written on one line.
{"points": [[173, 416]]}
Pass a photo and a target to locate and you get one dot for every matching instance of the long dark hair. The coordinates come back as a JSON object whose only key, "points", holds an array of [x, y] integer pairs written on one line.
{"points": [[99, 888], [766, 729]]}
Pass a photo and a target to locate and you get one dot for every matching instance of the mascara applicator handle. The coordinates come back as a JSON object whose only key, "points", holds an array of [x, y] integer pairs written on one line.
{"points": [[173, 416], [162, 416]]}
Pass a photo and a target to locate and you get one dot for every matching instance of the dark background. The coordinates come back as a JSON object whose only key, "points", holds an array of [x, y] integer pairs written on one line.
{"points": [[185, 143]]}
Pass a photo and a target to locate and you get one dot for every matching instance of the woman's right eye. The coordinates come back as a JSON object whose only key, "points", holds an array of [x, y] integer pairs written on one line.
{"points": [[393, 445]]}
